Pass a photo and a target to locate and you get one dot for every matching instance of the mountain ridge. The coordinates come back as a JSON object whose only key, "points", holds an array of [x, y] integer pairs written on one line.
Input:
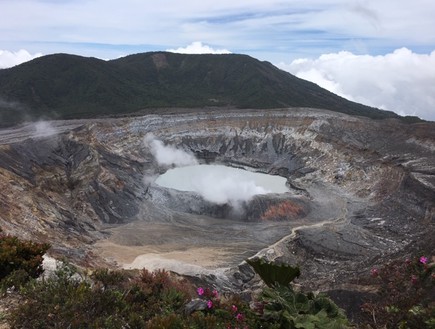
{"points": [[63, 86]]}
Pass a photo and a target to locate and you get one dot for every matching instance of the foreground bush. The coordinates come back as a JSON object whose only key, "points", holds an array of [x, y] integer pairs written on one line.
{"points": [[113, 299], [406, 295], [19, 260], [157, 300], [117, 299]]}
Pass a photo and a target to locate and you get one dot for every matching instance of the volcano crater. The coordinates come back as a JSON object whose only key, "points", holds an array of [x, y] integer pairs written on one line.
{"points": [[359, 189], [227, 192]]}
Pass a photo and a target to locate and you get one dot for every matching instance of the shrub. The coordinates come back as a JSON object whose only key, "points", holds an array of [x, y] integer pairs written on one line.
{"points": [[284, 308], [22, 256], [117, 299], [170, 321], [218, 311], [110, 279], [16, 279], [159, 293], [405, 295], [114, 299], [65, 300]]}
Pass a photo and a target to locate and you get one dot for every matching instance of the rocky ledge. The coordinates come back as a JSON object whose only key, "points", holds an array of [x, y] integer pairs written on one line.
{"points": [[364, 190]]}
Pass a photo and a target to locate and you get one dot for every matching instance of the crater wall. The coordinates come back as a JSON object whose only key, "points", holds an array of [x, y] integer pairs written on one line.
{"points": [[366, 187]]}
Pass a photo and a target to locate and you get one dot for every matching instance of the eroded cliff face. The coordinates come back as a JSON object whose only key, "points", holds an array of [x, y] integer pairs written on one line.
{"points": [[365, 191]]}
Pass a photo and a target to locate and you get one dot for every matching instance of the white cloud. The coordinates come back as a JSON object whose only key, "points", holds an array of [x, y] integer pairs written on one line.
{"points": [[275, 30], [401, 81], [197, 47], [9, 58]]}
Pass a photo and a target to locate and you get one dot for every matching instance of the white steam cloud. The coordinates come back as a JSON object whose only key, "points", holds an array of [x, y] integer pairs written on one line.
{"points": [[402, 81], [226, 187], [43, 129], [216, 184], [9, 58], [198, 48], [168, 155], [220, 184]]}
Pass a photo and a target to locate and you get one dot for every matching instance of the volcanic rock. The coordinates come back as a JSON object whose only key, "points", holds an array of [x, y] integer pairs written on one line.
{"points": [[364, 190]]}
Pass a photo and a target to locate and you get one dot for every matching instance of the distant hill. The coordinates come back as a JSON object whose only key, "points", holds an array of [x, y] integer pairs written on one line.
{"points": [[67, 86]]}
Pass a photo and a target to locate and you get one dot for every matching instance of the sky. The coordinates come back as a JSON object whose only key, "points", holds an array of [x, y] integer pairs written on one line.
{"points": [[376, 52]]}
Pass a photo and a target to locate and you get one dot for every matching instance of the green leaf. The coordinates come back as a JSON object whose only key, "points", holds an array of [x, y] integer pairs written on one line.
{"points": [[273, 274]]}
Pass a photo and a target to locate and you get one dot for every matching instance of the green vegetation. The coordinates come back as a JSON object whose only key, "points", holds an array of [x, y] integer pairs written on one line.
{"points": [[67, 86], [104, 300], [121, 299], [19, 260], [126, 299], [406, 295], [285, 308], [274, 274], [289, 309]]}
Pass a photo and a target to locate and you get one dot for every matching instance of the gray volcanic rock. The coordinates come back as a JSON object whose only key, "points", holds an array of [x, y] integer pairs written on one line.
{"points": [[363, 190]]}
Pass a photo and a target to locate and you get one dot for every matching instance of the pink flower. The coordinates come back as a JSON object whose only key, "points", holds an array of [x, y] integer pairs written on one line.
{"points": [[215, 294], [423, 260], [233, 308], [239, 317], [209, 304], [200, 291], [374, 272]]}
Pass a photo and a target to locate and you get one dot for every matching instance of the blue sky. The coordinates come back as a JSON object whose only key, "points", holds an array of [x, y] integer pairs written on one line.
{"points": [[393, 38]]}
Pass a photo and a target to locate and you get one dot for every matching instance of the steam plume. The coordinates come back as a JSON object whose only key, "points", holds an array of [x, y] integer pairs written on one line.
{"points": [[232, 187], [216, 184], [168, 155], [43, 129], [220, 184]]}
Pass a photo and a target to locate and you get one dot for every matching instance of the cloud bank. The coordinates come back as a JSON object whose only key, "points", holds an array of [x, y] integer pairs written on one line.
{"points": [[401, 81], [198, 48], [9, 58]]}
